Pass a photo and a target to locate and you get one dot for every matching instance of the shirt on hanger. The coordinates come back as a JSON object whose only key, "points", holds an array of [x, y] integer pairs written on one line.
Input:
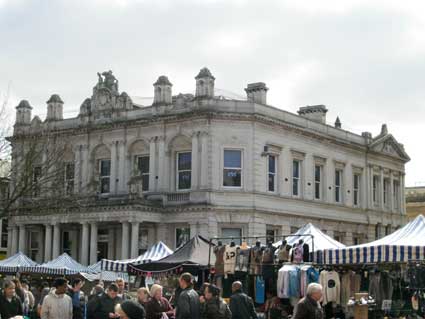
{"points": [[229, 259], [331, 287]]}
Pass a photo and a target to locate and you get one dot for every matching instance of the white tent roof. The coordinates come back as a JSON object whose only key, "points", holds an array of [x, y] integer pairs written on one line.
{"points": [[412, 234], [62, 265], [16, 263], [320, 239]]}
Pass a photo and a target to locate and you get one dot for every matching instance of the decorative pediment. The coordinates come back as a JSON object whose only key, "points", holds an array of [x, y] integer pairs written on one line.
{"points": [[388, 145]]}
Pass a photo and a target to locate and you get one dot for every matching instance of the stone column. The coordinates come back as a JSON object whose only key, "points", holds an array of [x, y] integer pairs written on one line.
{"points": [[308, 176], [134, 239], [364, 195], [114, 167], [121, 168], [195, 160], [391, 199], [14, 248], [48, 243], [152, 164], [111, 243], [84, 243], [347, 187], [329, 180], [9, 241], [125, 240], [22, 239], [162, 182], [286, 175], [56, 241], [204, 160], [381, 189], [93, 243], [370, 186]]}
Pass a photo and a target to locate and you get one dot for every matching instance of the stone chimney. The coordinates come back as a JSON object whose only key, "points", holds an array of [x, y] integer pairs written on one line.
{"points": [[162, 91], [257, 92], [338, 122], [54, 108], [23, 113], [205, 84], [315, 113]]}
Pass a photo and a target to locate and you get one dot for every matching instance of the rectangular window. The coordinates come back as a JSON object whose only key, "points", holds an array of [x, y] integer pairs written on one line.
{"points": [[396, 187], [182, 236], [143, 171], [69, 178], [338, 237], [375, 189], [272, 173], [4, 225], [338, 186], [271, 235], [318, 182], [356, 189], [296, 177], [386, 191], [36, 176], [356, 239], [232, 168], [235, 233], [184, 170], [105, 175]]}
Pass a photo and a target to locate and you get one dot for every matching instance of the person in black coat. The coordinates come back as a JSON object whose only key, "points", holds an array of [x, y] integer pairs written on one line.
{"points": [[241, 305], [103, 307], [10, 304], [309, 307], [188, 306], [130, 310]]}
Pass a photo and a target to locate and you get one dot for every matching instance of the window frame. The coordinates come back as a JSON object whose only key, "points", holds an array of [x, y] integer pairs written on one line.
{"points": [[178, 171], [139, 172], [338, 188], [102, 177], [375, 189], [240, 169], [318, 183], [298, 178], [386, 192], [272, 174], [357, 190]]}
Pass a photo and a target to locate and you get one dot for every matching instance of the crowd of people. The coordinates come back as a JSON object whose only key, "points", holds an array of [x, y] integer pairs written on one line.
{"points": [[67, 301]]}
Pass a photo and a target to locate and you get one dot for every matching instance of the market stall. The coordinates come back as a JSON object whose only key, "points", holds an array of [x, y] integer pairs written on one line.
{"points": [[16, 263], [104, 275]]}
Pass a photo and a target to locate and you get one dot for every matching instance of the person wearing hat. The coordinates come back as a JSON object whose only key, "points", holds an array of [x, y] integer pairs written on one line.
{"points": [[130, 310]]}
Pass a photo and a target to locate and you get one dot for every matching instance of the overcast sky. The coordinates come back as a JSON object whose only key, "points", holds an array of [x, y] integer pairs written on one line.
{"points": [[363, 59]]}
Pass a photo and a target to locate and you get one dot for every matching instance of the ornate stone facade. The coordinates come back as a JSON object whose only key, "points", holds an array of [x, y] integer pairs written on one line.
{"points": [[206, 165]]}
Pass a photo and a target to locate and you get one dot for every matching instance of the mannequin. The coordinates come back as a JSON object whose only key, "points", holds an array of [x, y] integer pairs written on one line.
{"points": [[242, 257], [256, 255], [219, 263], [306, 253], [299, 252], [268, 261], [229, 259], [283, 253]]}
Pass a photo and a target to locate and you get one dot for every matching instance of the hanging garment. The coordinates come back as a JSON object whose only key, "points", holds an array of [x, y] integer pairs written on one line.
{"points": [[347, 287], [242, 258], [288, 281], [219, 260], [298, 254], [306, 253], [229, 260], [331, 286], [255, 260], [283, 253], [260, 290], [308, 275], [268, 263]]}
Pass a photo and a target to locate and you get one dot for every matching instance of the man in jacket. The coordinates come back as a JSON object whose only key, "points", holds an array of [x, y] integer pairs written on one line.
{"points": [[309, 307], [241, 305], [57, 304], [10, 304], [188, 306], [77, 297], [103, 307]]}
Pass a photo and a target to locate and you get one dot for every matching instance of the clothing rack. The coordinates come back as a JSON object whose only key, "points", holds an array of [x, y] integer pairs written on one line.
{"points": [[243, 238]]}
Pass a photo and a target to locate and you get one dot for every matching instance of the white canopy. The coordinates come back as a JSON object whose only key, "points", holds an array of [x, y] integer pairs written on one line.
{"points": [[16, 263], [312, 235], [403, 245]]}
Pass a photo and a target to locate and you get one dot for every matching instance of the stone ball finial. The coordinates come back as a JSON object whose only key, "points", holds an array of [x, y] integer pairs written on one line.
{"points": [[55, 98], [163, 80], [24, 104], [204, 73]]}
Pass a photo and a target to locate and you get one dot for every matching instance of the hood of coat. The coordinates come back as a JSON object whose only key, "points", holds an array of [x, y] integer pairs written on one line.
{"points": [[55, 295]]}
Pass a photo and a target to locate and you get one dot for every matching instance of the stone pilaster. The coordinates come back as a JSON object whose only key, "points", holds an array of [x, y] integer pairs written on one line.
{"points": [[195, 161], [114, 167], [162, 164], [56, 241], [204, 160], [84, 243], [152, 164], [121, 168], [93, 243], [9, 241], [48, 243], [134, 239], [22, 239], [14, 245], [308, 177], [125, 240], [381, 189]]}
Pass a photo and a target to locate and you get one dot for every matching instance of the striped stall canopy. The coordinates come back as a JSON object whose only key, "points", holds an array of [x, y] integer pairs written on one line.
{"points": [[403, 245], [156, 252], [63, 265], [16, 263], [104, 275]]}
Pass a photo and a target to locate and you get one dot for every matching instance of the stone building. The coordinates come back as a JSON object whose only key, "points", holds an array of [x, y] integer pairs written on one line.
{"points": [[205, 164], [415, 201], [4, 191]]}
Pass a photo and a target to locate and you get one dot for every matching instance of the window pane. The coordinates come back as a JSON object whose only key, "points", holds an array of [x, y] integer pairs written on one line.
{"points": [[105, 167], [272, 164], [145, 182], [143, 164], [184, 180], [69, 171], [235, 233], [338, 178], [317, 174], [317, 190], [296, 169], [104, 185], [232, 177], [232, 159], [271, 182], [295, 187], [184, 161]]}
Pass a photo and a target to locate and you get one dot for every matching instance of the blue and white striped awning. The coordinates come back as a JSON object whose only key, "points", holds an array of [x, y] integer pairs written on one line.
{"points": [[156, 252], [16, 263], [63, 265], [104, 275], [403, 245]]}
